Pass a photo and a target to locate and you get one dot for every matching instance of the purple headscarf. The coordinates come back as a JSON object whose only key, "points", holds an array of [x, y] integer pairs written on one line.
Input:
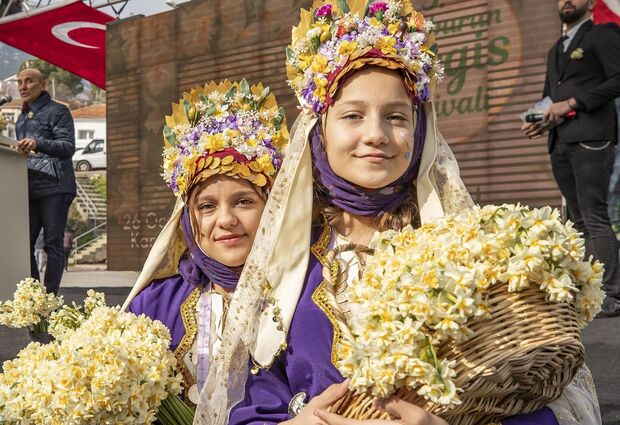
{"points": [[198, 268], [358, 200]]}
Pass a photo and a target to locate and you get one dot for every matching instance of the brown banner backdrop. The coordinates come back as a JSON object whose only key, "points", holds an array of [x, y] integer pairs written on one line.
{"points": [[494, 53]]}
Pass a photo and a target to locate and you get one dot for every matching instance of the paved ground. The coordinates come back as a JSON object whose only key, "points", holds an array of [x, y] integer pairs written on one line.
{"points": [[602, 341], [96, 276], [601, 338]]}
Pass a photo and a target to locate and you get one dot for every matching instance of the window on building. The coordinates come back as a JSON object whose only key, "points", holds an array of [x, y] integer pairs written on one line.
{"points": [[9, 116], [86, 134]]}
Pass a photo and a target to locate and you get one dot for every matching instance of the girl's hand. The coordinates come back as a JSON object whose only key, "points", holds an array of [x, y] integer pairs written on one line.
{"points": [[405, 414], [321, 402]]}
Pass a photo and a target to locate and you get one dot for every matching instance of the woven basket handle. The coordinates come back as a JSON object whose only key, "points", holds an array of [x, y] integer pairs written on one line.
{"points": [[334, 273], [335, 278], [362, 249]]}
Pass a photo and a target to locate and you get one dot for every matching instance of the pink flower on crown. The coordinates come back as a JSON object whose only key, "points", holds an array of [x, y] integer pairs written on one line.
{"points": [[324, 11], [378, 6]]}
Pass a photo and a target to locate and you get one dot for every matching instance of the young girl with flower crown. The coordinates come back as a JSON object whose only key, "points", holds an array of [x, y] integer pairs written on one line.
{"points": [[224, 144], [365, 156]]}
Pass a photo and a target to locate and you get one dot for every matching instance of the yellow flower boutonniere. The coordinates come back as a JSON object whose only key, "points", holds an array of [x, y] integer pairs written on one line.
{"points": [[30, 115], [577, 54]]}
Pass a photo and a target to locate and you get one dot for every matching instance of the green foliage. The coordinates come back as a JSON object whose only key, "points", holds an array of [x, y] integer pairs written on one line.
{"points": [[75, 222], [342, 5], [100, 184], [169, 135], [65, 83], [96, 94], [3, 123]]}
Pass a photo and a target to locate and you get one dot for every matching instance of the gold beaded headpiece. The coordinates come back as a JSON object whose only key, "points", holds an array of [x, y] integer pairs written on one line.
{"points": [[228, 128], [335, 37]]}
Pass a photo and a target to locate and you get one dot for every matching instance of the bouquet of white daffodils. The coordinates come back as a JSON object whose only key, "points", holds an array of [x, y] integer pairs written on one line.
{"points": [[30, 307], [114, 368], [63, 321], [424, 288]]}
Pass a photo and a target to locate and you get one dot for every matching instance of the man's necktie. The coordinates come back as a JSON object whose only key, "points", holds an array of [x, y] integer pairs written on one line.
{"points": [[561, 44], [560, 53]]}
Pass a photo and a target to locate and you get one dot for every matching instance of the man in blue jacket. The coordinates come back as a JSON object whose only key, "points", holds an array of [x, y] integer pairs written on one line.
{"points": [[45, 133]]}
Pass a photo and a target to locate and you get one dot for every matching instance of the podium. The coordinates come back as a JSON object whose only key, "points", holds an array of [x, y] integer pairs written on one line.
{"points": [[14, 236]]}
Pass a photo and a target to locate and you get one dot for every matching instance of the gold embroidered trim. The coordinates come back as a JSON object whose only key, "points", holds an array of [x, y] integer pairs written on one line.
{"points": [[188, 314], [319, 248], [256, 368], [319, 297]]}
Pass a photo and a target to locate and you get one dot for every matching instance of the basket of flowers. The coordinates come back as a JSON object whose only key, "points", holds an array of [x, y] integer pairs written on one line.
{"points": [[474, 316]]}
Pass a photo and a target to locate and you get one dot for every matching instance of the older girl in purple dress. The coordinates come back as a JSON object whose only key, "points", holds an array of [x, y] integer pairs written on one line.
{"points": [[223, 146], [367, 147]]}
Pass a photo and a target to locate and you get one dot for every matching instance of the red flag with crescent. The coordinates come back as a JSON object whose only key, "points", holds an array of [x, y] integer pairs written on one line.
{"points": [[70, 35], [606, 11]]}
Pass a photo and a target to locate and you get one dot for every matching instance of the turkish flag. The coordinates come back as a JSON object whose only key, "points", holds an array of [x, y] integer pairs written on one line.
{"points": [[606, 11], [70, 35]]}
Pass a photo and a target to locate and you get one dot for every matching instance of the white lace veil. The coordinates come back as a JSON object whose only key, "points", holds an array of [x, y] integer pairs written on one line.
{"points": [[578, 404], [275, 270]]}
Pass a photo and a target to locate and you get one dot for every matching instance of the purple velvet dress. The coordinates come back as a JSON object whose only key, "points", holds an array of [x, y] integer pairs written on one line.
{"points": [[173, 302], [306, 365], [162, 301], [162, 298]]}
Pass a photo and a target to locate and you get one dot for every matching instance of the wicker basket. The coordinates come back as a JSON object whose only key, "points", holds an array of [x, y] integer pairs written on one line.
{"points": [[515, 362]]}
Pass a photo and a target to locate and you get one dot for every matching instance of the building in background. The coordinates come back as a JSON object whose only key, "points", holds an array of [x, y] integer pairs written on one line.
{"points": [[494, 53], [8, 86], [90, 123], [10, 111]]}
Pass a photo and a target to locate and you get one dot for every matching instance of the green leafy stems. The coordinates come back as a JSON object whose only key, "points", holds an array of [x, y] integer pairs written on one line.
{"points": [[172, 411]]}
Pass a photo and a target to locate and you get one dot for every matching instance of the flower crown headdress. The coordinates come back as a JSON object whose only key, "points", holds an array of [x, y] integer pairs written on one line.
{"points": [[337, 36], [228, 128]]}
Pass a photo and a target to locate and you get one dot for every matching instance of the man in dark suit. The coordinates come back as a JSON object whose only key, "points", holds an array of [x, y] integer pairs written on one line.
{"points": [[583, 77]]}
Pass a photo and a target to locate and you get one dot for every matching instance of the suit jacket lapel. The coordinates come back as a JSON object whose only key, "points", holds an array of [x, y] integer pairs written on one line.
{"points": [[573, 44], [555, 55], [553, 67]]}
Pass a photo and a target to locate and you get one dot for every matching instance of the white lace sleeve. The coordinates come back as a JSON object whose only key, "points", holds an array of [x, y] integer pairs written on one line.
{"points": [[578, 404]]}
